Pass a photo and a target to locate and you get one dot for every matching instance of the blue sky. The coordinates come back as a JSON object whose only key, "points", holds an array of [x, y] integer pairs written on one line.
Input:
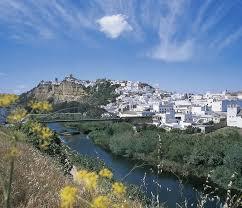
{"points": [[182, 45]]}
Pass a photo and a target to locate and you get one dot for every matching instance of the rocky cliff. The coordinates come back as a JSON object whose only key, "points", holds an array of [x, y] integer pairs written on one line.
{"points": [[99, 92], [70, 89]]}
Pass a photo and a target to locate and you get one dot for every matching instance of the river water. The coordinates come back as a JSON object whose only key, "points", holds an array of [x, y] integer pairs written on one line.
{"points": [[166, 185]]}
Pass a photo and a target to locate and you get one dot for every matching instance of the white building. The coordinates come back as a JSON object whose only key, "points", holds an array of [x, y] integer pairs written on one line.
{"points": [[201, 110], [222, 105], [126, 114], [162, 107], [184, 117], [164, 118], [171, 120], [203, 119], [239, 96], [234, 116]]}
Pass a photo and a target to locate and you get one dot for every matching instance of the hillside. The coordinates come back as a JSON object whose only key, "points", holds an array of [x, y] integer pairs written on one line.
{"points": [[39, 179], [67, 90], [99, 92]]}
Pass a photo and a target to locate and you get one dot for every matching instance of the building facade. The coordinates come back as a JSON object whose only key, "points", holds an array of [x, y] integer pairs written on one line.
{"points": [[234, 116]]}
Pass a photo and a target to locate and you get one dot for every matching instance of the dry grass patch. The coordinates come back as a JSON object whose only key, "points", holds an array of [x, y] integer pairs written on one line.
{"points": [[37, 178]]}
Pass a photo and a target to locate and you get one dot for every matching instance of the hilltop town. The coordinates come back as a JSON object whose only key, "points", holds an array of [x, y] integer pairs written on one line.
{"points": [[136, 99]]}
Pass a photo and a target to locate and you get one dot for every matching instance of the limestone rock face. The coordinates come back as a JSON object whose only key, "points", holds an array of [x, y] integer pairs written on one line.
{"points": [[67, 90]]}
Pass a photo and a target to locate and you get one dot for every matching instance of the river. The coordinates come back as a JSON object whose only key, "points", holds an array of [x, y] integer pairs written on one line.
{"points": [[166, 185]]}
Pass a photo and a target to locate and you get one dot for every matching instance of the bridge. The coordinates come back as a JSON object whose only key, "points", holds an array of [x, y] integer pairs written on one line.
{"points": [[78, 117], [67, 117], [72, 116]]}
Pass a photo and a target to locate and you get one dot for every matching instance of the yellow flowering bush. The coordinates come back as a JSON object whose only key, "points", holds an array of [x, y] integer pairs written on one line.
{"points": [[100, 195], [101, 202], [79, 175], [7, 99], [17, 115], [36, 127], [41, 106], [46, 133], [105, 173], [46, 136], [88, 179], [68, 196], [118, 189]]}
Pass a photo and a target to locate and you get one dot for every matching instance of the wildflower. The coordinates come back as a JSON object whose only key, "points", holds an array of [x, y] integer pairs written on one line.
{"points": [[68, 196], [79, 175], [7, 99], [46, 133], [101, 202], [36, 127], [17, 115], [41, 106], [105, 173], [118, 189], [89, 179]]}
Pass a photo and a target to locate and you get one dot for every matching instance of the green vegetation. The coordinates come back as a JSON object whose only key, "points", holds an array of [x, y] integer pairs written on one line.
{"points": [[102, 93], [89, 110], [218, 153], [87, 127], [61, 152]]}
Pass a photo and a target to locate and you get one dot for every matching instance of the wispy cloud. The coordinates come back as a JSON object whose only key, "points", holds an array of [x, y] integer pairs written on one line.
{"points": [[43, 19], [170, 48], [174, 30], [231, 38], [171, 52], [182, 34]]}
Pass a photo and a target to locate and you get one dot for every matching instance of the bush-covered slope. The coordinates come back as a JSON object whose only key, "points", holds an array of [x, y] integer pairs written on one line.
{"points": [[219, 152]]}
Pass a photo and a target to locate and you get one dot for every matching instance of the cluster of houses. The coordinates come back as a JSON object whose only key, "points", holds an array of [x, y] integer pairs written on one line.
{"points": [[174, 110], [168, 110]]}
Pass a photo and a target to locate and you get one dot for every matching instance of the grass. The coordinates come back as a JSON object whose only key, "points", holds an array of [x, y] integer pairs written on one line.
{"points": [[37, 178]]}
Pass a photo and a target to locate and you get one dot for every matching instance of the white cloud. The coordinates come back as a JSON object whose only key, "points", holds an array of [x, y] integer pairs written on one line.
{"points": [[113, 26], [172, 52]]}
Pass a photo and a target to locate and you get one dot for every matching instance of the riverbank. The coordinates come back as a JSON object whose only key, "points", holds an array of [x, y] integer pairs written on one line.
{"points": [[48, 172], [188, 155]]}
